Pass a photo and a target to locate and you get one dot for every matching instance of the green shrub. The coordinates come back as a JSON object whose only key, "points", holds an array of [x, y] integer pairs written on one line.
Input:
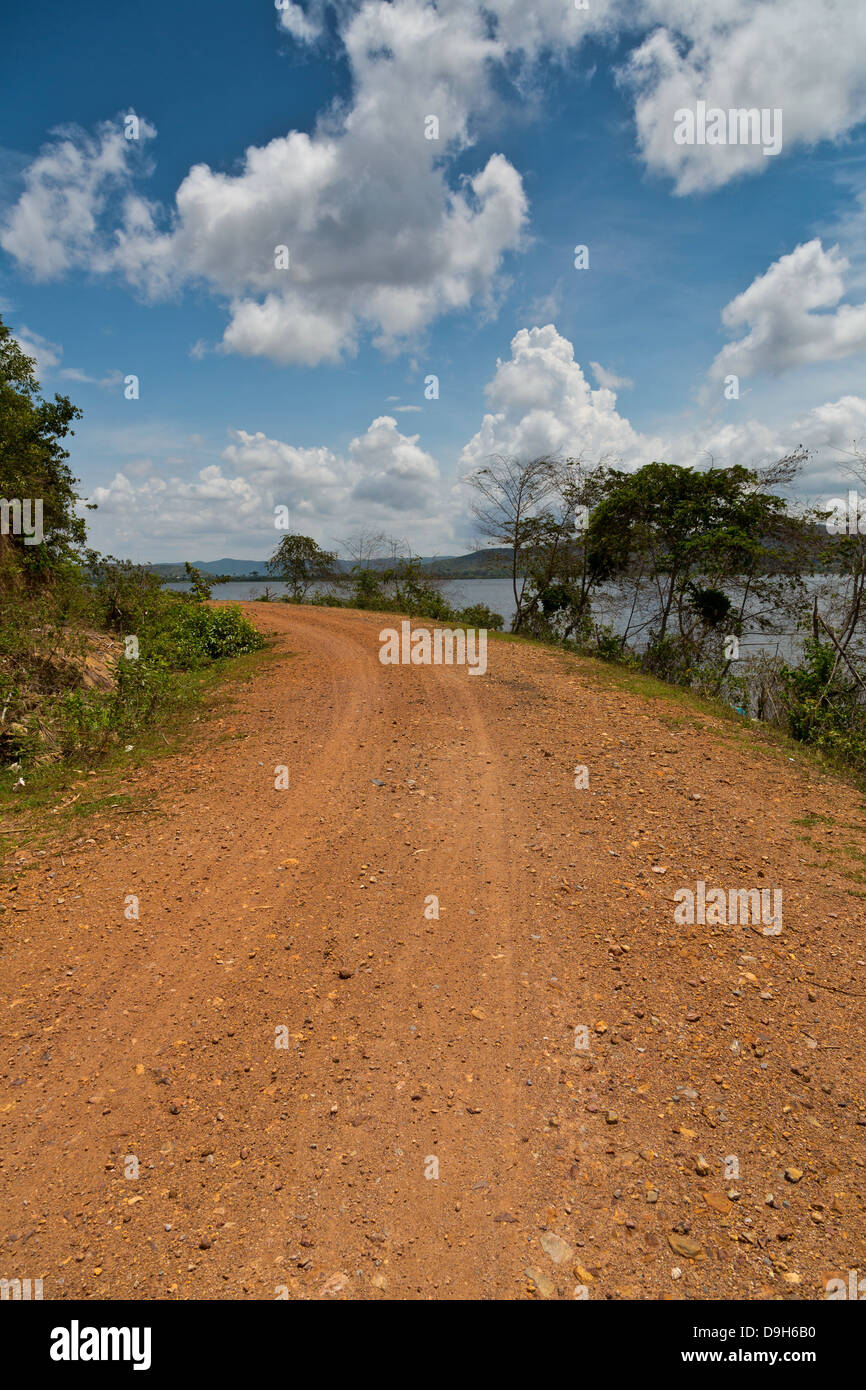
{"points": [[187, 635], [824, 705], [480, 616]]}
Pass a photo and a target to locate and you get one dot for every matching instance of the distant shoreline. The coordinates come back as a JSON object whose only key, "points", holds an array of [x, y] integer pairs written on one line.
{"points": [[182, 578]]}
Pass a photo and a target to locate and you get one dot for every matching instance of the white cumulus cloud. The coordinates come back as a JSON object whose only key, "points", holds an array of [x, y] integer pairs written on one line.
{"points": [[792, 315], [384, 478], [542, 404], [806, 59]]}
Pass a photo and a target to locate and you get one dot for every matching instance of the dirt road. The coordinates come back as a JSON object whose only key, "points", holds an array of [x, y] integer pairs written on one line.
{"points": [[289, 1077]]}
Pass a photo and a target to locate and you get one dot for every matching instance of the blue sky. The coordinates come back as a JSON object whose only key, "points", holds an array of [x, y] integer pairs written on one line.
{"points": [[305, 126]]}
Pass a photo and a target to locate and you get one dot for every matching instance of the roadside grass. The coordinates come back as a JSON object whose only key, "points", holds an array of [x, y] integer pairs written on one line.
{"points": [[835, 857], [58, 797]]}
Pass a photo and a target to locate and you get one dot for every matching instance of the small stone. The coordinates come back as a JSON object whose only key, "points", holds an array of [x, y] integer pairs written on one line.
{"points": [[793, 1174], [685, 1245], [544, 1286], [701, 1166], [612, 1117], [717, 1201], [558, 1249], [335, 1284], [652, 1196]]}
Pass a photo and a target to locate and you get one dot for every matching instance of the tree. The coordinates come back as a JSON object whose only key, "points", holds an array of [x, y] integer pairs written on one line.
{"points": [[200, 584], [510, 494], [684, 535], [537, 509], [299, 562], [558, 594], [33, 467]]}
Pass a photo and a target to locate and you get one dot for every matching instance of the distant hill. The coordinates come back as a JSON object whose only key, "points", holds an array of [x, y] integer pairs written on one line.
{"points": [[240, 568], [481, 564], [799, 551]]}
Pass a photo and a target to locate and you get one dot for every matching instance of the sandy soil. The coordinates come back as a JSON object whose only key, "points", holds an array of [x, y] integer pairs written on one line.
{"points": [[430, 1130]]}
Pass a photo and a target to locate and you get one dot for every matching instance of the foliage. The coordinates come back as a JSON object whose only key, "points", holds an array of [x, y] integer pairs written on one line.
{"points": [[200, 584], [33, 466], [299, 562], [67, 688], [671, 566], [824, 704]]}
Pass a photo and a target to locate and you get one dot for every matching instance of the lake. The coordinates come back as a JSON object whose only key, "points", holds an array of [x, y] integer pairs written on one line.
{"points": [[497, 595]]}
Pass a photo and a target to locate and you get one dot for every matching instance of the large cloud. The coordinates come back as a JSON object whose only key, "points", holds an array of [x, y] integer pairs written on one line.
{"points": [[780, 311], [378, 238], [382, 235], [807, 59], [384, 479], [542, 404]]}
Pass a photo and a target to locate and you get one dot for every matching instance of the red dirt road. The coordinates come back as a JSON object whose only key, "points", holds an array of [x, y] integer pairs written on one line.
{"points": [[430, 1130]]}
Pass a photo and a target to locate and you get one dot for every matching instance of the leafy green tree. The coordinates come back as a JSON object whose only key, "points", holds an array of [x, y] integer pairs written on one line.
{"points": [[200, 584], [299, 562], [685, 536], [33, 466]]}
